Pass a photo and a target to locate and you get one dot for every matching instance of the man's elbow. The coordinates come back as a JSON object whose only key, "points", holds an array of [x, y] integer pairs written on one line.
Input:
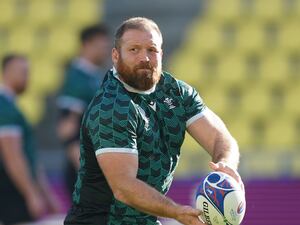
{"points": [[121, 195]]}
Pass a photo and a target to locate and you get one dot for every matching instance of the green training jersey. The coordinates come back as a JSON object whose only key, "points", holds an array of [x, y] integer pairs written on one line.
{"points": [[13, 122], [82, 80], [149, 124]]}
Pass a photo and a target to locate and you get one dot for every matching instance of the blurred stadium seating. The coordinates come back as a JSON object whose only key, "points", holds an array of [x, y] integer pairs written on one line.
{"points": [[46, 31], [243, 57]]}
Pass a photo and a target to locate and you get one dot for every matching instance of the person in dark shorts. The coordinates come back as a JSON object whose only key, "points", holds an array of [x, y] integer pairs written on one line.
{"points": [[132, 132]]}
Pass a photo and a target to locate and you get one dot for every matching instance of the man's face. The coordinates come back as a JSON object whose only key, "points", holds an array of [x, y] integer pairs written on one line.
{"points": [[139, 58], [99, 46], [18, 72]]}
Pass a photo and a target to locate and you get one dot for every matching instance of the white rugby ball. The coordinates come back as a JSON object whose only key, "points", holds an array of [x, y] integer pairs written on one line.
{"points": [[221, 199]]}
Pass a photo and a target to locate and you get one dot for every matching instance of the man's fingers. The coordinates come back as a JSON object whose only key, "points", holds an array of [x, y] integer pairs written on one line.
{"points": [[213, 166], [222, 167], [193, 212]]}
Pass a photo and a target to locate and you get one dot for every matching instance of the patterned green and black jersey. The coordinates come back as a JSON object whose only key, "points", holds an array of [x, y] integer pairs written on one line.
{"points": [[13, 122], [151, 125]]}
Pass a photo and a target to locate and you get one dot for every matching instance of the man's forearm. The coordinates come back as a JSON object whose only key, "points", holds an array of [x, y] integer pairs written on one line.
{"points": [[145, 198], [226, 150], [20, 175], [17, 167]]}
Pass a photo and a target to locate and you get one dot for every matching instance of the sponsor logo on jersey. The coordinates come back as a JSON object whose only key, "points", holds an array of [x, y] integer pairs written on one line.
{"points": [[153, 105]]}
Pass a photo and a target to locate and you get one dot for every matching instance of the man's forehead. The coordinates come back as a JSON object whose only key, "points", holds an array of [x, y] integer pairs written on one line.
{"points": [[139, 36]]}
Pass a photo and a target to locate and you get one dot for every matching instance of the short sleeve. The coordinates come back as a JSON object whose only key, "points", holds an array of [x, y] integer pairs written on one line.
{"points": [[70, 93], [9, 125], [192, 102], [115, 128]]}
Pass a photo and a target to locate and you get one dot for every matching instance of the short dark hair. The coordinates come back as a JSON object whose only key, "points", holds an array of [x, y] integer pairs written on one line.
{"points": [[10, 57], [135, 23], [92, 31]]}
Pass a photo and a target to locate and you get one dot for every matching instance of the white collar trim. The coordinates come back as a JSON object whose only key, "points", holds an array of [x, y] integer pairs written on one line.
{"points": [[86, 65]]}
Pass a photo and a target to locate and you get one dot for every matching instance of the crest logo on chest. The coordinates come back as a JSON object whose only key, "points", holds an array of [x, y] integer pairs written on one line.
{"points": [[170, 103]]}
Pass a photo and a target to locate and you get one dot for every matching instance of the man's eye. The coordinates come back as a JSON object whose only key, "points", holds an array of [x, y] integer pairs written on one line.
{"points": [[133, 49], [153, 50]]}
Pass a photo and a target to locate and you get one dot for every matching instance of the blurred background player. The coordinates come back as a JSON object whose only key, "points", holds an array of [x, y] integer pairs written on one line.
{"points": [[82, 79], [24, 192]]}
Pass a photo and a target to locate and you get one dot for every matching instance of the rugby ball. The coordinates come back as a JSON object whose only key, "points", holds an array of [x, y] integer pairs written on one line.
{"points": [[221, 200]]}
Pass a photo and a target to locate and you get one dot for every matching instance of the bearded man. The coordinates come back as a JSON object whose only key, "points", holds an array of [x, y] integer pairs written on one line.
{"points": [[131, 136]]}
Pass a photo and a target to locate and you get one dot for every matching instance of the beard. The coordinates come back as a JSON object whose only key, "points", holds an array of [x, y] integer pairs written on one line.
{"points": [[141, 77]]}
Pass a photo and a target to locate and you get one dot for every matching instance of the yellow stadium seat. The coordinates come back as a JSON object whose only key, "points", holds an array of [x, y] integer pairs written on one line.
{"points": [[187, 69], [216, 99], [240, 129], [33, 106], [251, 37], [231, 69], [7, 9], [290, 9], [84, 12], [274, 69], [62, 42], [293, 67], [252, 69], [41, 12], [4, 39], [279, 135], [223, 10], [289, 38], [292, 101], [256, 100], [21, 39], [205, 37], [45, 77], [268, 9]]}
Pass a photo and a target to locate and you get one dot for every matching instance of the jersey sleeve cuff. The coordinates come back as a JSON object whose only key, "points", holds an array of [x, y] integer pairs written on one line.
{"points": [[71, 103], [116, 150], [196, 117], [10, 130]]}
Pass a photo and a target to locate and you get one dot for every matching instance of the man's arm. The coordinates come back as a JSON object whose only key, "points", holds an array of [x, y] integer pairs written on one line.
{"points": [[67, 129], [120, 170], [211, 133], [18, 170]]}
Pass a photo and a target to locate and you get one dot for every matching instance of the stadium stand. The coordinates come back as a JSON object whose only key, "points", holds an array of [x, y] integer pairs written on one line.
{"points": [[248, 69], [46, 31]]}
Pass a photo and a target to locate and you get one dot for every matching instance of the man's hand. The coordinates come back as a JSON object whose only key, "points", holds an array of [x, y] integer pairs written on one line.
{"points": [[36, 205], [223, 167], [189, 216]]}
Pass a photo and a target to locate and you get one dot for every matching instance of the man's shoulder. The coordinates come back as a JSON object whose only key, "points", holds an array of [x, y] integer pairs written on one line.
{"points": [[169, 81], [8, 112], [112, 96], [6, 105]]}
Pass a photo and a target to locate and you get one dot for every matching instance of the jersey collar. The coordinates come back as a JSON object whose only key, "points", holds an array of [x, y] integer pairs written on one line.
{"points": [[85, 65], [131, 89]]}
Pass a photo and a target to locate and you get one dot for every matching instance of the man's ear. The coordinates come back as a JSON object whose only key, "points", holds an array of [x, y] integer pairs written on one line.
{"points": [[115, 56]]}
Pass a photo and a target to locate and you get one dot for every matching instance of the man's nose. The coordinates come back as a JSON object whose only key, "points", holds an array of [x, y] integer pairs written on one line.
{"points": [[143, 56]]}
